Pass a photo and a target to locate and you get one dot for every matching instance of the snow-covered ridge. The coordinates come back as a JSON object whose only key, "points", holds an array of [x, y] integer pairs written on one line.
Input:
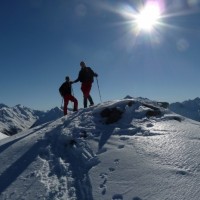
{"points": [[146, 152], [19, 118]]}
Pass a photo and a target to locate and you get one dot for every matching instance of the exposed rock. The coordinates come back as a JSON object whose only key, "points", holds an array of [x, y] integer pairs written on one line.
{"points": [[163, 104], [111, 115], [153, 113]]}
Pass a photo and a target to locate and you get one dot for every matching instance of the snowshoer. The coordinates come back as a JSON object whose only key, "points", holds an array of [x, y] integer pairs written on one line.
{"points": [[86, 77], [66, 92]]}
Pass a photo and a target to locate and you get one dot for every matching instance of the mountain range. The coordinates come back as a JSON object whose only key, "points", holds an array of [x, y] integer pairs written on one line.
{"points": [[189, 108], [19, 118]]}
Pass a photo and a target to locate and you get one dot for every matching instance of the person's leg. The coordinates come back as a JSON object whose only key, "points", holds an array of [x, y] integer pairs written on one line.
{"points": [[89, 87], [84, 90], [86, 87], [66, 101], [74, 100], [84, 102]]}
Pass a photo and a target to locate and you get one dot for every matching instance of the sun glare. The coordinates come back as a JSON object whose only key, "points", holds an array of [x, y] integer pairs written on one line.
{"points": [[148, 18]]}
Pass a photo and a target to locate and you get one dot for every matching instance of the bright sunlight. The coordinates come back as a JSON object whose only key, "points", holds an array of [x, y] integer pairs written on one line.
{"points": [[148, 18]]}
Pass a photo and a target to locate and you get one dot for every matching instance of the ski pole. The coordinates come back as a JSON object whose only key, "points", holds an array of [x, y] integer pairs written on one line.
{"points": [[99, 89], [61, 104], [72, 91], [72, 94]]}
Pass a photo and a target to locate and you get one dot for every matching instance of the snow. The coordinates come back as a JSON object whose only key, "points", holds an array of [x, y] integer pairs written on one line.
{"points": [[136, 158], [15, 119], [2, 136]]}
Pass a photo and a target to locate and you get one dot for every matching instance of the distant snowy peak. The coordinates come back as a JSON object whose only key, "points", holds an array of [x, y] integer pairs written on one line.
{"points": [[24, 112], [15, 119], [3, 105], [48, 116], [19, 118], [193, 103], [55, 110], [189, 108]]}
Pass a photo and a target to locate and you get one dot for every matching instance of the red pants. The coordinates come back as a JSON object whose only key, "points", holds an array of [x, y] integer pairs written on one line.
{"points": [[86, 87], [68, 98]]}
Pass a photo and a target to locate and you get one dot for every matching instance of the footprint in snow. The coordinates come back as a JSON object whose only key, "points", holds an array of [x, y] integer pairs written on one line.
{"points": [[195, 138], [111, 169], [124, 138], [116, 161], [117, 197], [121, 146], [149, 125], [102, 186], [137, 198], [103, 175], [181, 172], [103, 192]]}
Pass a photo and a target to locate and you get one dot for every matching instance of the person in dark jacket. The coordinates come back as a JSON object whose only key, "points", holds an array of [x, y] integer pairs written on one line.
{"points": [[66, 92], [86, 77]]}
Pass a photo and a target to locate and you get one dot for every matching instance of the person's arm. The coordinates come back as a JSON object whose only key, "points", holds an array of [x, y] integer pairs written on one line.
{"points": [[78, 79], [94, 74]]}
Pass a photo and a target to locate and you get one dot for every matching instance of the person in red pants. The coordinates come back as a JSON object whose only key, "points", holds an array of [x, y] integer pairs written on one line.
{"points": [[66, 92], [86, 77]]}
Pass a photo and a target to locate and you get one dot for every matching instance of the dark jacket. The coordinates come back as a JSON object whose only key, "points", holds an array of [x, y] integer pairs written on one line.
{"points": [[86, 74], [65, 89]]}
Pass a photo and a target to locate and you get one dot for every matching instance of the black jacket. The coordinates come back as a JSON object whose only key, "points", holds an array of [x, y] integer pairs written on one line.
{"points": [[86, 74], [65, 89]]}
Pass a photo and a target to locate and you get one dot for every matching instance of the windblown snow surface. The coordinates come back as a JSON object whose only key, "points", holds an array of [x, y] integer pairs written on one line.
{"points": [[136, 158], [2, 136]]}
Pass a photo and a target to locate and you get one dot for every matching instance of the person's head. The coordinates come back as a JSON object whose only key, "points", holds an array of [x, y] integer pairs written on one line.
{"points": [[67, 78], [82, 64]]}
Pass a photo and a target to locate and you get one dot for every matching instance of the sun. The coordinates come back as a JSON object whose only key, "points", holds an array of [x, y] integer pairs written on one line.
{"points": [[148, 18]]}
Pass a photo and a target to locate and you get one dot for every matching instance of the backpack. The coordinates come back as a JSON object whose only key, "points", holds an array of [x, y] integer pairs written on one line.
{"points": [[87, 75], [64, 89]]}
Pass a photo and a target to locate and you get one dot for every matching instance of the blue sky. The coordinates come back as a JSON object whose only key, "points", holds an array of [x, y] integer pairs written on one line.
{"points": [[42, 41]]}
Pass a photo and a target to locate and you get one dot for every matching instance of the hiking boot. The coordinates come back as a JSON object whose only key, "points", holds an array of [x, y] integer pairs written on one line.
{"points": [[85, 102], [90, 100]]}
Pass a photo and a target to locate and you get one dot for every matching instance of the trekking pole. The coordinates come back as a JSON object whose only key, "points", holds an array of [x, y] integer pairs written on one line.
{"points": [[72, 94], [61, 104], [99, 89], [72, 91]]}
